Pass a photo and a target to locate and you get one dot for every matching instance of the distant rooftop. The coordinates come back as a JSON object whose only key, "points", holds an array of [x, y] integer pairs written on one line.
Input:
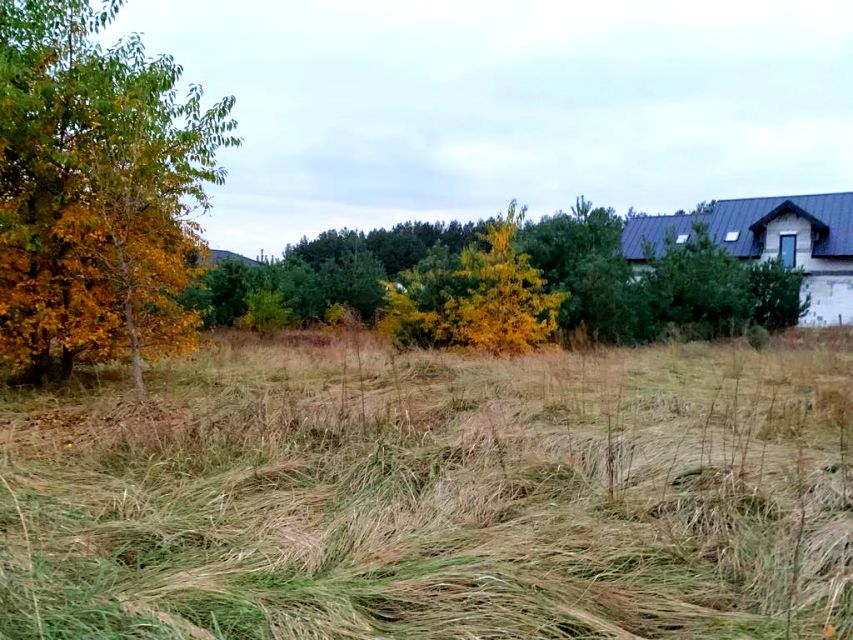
{"points": [[734, 218], [218, 255]]}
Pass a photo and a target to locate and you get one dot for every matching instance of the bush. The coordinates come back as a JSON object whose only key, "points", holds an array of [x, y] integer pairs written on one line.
{"points": [[336, 315], [267, 312], [758, 337], [776, 295]]}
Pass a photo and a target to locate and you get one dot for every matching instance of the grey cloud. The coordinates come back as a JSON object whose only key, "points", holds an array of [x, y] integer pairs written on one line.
{"points": [[359, 115]]}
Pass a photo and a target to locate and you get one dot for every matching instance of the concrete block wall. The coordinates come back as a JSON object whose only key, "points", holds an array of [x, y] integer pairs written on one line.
{"points": [[832, 300]]}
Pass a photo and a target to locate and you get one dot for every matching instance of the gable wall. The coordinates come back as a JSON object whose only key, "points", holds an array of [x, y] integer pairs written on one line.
{"points": [[803, 228], [783, 224], [830, 280]]}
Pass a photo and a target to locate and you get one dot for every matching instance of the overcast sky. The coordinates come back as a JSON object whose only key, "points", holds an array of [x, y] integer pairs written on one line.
{"points": [[364, 113]]}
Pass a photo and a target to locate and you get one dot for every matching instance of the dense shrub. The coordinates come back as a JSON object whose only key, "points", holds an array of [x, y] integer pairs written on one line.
{"points": [[775, 293], [267, 312], [302, 291], [757, 336]]}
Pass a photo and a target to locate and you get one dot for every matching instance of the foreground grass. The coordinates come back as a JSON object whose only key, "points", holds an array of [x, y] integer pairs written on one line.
{"points": [[340, 490]]}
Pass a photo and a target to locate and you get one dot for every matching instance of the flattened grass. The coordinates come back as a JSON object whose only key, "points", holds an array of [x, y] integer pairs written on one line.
{"points": [[648, 493]]}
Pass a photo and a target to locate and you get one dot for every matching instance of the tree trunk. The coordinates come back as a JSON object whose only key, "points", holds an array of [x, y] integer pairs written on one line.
{"points": [[37, 374], [66, 365], [136, 356], [130, 319]]}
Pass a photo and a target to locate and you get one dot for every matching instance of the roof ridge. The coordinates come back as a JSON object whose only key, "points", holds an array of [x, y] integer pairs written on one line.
{"points": [[799, 195], [670, 215]]}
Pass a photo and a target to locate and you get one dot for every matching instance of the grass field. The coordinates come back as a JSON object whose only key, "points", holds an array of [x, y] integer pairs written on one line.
{"points": [[319, 486]]}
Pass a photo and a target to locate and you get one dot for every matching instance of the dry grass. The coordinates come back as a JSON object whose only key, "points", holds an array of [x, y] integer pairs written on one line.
{"points": [[280, 490]]}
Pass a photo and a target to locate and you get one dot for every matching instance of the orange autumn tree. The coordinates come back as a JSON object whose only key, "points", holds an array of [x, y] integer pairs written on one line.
{"points": [[101, 172], [494, 300], [53, 305]]}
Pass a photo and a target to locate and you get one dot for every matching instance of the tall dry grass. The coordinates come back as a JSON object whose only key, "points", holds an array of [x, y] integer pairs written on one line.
{"points": [[325, 486]]}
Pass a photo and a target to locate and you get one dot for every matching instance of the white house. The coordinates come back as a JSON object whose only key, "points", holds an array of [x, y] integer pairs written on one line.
{"points": [[814, 232]]}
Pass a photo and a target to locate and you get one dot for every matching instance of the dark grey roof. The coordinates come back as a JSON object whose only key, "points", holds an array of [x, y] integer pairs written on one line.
{"points": [[834, 210], [218, 255]]}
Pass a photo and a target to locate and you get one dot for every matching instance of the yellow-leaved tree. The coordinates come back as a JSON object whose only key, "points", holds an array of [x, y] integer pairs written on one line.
{"points": [[491, 299], [102, 172], [507, 310]]}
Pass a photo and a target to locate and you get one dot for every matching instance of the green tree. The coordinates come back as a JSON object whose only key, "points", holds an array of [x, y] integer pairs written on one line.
{"points": [[775, 294], [298, 283], [698, 288], [355, 280], [331, 245], [403, 246], [436, 279], [415, 303], [580, 252], [228, 283]]}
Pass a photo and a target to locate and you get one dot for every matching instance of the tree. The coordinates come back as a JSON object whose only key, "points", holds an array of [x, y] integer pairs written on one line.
{"points": [[228, 284], [580, 252], [698, 288], [329, 245], [102, 168], [508, 310], [355, 280], [775, 294], [704, 207], [301, 289], [458, 236], [53, 303], [402, 247], [414, 308], [501, 305]]}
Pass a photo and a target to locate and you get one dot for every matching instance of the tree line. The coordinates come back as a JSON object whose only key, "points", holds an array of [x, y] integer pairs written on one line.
{"points": [[436, 284]]}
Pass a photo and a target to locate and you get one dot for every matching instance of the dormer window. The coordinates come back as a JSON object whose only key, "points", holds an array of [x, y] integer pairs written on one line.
{"points": [[732, 236], [682, 238], [788, 250]]}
